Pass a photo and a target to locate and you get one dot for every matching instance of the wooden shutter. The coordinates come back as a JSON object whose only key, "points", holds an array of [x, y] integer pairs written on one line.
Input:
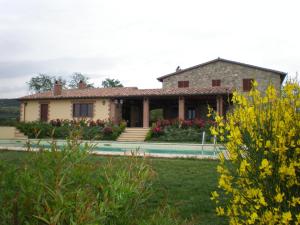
{"points": [[216, 83], [247, 84], [183, 84], [76, 110], [90, 110]]}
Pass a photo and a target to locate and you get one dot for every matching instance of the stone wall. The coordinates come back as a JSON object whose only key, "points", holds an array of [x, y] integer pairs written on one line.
{"points": [[231, 75]]}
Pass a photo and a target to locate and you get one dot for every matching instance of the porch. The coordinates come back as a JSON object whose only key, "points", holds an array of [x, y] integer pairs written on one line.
{"points": [[136, 110]]}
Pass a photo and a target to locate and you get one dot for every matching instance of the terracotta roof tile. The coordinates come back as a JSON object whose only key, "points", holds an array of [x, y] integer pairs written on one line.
{"points": [[127, 92]]}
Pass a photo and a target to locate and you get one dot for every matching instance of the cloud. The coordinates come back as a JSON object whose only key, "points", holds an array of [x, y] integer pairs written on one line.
{"points": [[61, 66], [137, 41]]}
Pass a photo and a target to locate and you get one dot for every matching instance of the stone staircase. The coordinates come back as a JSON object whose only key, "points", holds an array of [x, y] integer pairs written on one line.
{"points": [[134, 134], [19, 134]]}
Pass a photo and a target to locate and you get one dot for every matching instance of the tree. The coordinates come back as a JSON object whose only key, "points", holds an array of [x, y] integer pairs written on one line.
{"points": [[40, 83], [44, 82], [76, 78], [111, 83]]}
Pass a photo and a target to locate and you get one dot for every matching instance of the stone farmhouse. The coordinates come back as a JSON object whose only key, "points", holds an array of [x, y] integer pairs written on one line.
{"points": [[185, 94]]}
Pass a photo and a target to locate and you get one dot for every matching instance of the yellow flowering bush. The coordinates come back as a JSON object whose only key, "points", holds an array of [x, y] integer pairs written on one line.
{"points": [[259, 179]]}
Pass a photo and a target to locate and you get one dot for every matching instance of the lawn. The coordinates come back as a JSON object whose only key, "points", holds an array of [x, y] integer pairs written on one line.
{"points": [[185, 184]]}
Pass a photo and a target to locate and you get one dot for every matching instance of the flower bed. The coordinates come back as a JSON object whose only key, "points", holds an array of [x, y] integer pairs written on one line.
{"points": [[88, 129], [180, 131]]}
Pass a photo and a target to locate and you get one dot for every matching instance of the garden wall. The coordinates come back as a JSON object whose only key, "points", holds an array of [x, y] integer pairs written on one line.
{"points": [[7, 132]]}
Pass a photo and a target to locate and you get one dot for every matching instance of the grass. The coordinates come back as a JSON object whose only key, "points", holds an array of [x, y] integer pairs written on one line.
{"points": [[185, 184]]}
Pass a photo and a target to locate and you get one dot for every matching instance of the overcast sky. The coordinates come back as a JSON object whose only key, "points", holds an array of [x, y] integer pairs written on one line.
{"points": [[137, 41]]}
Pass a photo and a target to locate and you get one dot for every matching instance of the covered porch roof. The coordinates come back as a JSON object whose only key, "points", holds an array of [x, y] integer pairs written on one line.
{"points": [[125, 92]]}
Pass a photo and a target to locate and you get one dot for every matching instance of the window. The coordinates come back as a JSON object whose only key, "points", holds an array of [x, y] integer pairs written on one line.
{"points": [[247, 84], [216, 83], [183, 84], [83, 110], [191, 113]]}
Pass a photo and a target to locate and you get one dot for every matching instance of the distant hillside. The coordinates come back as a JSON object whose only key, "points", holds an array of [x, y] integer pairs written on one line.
{"points": [[9, 108]]}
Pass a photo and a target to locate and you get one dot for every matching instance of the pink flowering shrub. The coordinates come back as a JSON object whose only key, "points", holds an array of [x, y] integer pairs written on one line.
{"points": [[107, 130], [60, 128], [180, 130]]}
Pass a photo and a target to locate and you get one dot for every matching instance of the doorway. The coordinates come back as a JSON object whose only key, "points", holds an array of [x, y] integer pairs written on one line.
{"points": [[132, 112], [44, 112]]}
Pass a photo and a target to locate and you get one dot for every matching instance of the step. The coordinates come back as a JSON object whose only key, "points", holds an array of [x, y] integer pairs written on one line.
{"points": [[136, 130], [140, 137], [125, 139], [131, 137], [20, 135], [130, 140], [134, 134]]}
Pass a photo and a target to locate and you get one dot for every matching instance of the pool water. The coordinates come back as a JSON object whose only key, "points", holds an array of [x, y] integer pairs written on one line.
{"points": [[159, 151], [171, 149]]}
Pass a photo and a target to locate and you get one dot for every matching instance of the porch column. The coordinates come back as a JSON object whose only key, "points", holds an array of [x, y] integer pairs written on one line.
{"points": [[146, 112], [181, 108], [220, 104]]}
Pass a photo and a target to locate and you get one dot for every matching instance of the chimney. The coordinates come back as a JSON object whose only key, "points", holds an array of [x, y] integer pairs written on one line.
{"points": [[57, 88], [82, 85]]}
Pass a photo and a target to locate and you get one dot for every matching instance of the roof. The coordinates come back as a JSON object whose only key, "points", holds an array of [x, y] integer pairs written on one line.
{"points": [[127, 92], [282, 74]]}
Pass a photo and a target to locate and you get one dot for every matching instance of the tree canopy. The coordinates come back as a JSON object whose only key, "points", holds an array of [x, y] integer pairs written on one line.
{"points": [[43, 82], [111, 83], [76, 78]]}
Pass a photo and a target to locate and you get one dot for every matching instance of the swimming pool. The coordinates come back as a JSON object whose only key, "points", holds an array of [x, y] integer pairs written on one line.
{"points": [[125, 148]]}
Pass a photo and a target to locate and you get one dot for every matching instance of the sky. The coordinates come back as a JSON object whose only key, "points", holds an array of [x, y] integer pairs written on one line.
{"points": [[137, 41]]}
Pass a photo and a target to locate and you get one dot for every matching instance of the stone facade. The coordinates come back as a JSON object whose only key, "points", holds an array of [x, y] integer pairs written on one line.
{"points": [[231, 75]]}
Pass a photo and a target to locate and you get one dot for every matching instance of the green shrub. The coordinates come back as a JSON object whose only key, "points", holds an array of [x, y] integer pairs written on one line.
{"points": [[180, 131], [90, 130], [36, 129], [62, 187]]}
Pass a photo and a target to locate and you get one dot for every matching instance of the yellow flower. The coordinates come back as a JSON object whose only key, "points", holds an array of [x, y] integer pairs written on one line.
{"points": [[279, 197], [214, 196], [268, 144], [243, 166], [298, 218], [220, 211], [265, 168], [213, 131], [253, 218], [295, 201], [286, 217]]}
